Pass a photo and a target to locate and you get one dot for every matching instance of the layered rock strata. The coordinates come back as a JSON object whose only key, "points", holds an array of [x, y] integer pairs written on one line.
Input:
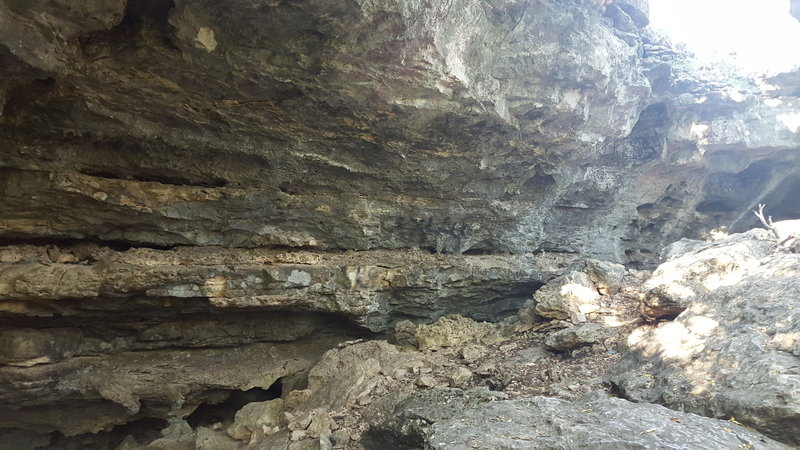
{"points": [[112, 329], [183, 177]]}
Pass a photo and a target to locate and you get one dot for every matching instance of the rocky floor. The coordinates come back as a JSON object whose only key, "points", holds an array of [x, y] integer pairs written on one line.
{"points": [[360, 383], [510, 359], [593, 344]]}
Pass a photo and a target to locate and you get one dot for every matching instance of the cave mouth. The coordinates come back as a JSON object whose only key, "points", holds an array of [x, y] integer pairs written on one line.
{"points": [[750, 36]]}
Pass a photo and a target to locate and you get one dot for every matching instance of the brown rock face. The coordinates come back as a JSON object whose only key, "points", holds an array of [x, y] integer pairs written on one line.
{"points": [[178, 178]]}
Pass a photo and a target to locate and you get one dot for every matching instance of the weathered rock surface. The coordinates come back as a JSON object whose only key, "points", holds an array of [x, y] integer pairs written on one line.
{"points": [[367, 287], [414, 416], [676, 283], [735, 349], [290, 114], [451, 331], [606, 276], [366, 126], [94, 319], [568, 297], [188, 176], [90, 394], [594, 421], [256, 416], [574, 337]]}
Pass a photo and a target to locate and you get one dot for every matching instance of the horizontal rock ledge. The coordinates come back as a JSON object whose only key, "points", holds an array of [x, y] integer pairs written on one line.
{"points": [[90, 394], [371, 289]]}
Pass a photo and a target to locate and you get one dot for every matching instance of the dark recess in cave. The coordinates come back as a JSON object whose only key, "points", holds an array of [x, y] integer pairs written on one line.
{"points": [[477, 251], [782, 203], [727, 192], [538, 185], [647, 136], [151, 15], [21, 99], [144, 430], [208, 414]]}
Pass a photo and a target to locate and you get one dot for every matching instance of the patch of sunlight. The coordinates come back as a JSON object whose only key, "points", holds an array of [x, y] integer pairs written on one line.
{"points": [[583, 294], [612, 321], [637, 335], [215, 287], [728, 271], [718, 233], [792, 121], [669, 278], [756, 36], [677, 341], [702, 325], [716, 280], [786, 341], [735, 95], [700, 132]]}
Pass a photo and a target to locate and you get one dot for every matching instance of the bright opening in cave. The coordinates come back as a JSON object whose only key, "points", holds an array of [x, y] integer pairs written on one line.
{"points": [[757, 36]]}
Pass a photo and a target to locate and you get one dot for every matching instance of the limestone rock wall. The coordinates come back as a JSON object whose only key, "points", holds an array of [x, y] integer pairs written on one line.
{"points": [[183, 176]]}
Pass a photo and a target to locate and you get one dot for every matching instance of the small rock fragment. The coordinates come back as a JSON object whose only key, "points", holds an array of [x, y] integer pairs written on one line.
{"points": [[129, 443], [178, 428], [460, 376], [570, 338], [325, 442], [472, 352], [405, 333], [340, 437], [426, 381], [207, 439], [298, 435], [300, 423], [254, 416], [295, 398], [321, 423], [606, 276], [451, 331], [399, 374]]}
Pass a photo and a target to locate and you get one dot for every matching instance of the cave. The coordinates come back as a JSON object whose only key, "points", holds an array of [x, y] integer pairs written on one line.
{"points": [[294, 223]]}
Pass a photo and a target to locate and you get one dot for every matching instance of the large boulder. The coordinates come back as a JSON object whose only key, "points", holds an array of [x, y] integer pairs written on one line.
{"points": [[256, 416], [606, 276], [346, 374], [593, 421], [675, 284], [413, 418], [567, 297], [734, 352]]}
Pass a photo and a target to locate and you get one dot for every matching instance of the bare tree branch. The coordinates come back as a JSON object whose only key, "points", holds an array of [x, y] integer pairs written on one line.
{"points": [[766, 221]]}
